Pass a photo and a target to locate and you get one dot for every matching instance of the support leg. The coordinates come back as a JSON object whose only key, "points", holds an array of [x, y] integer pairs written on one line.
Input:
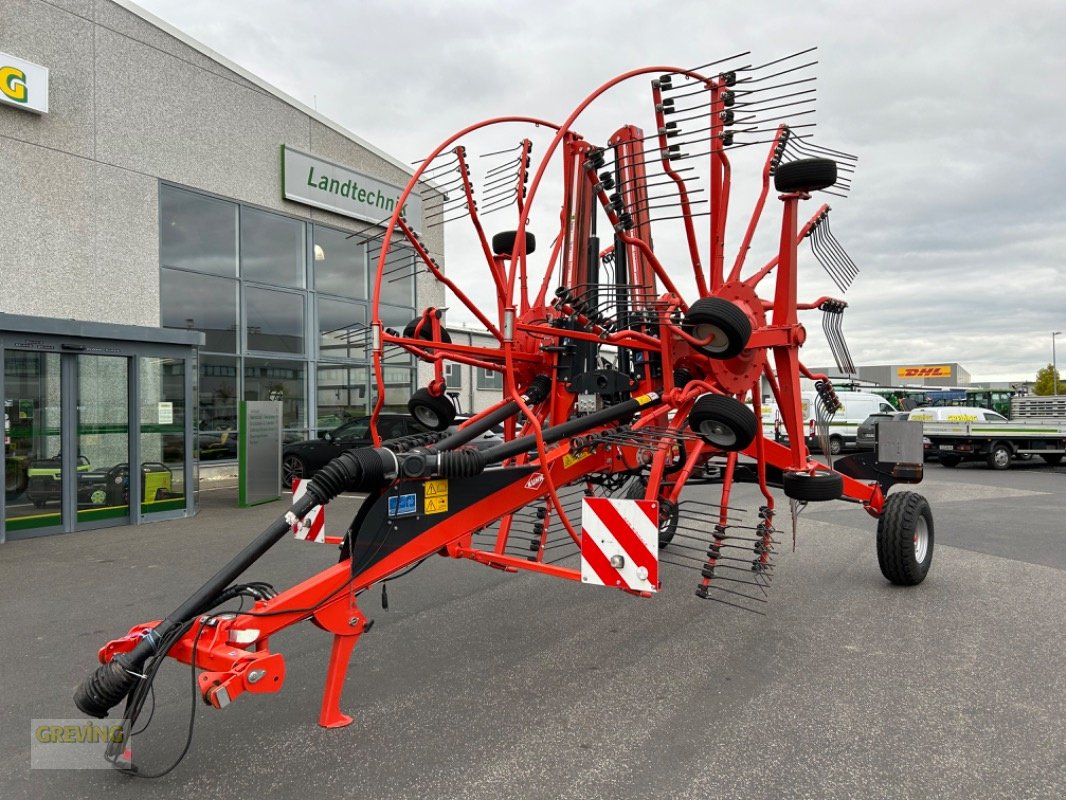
{"points": [[331, 715]]}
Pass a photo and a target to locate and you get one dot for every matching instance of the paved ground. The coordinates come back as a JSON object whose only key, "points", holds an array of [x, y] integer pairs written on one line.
{"points": [[478, 684]]}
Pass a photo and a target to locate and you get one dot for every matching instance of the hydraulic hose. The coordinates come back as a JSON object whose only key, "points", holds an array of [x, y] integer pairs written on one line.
{"points": [[567, 429], [367, 470], [535, 393]]}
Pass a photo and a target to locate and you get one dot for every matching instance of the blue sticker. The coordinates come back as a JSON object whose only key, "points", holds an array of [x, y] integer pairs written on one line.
{"points": [[403, 505]]}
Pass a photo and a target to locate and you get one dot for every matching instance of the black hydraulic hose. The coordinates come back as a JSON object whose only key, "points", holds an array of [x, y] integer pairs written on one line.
{"points": [[566, 429], [536, 392], [366, 469]]}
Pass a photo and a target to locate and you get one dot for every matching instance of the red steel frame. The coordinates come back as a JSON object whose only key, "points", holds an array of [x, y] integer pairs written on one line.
{"points": [[233, 651]]}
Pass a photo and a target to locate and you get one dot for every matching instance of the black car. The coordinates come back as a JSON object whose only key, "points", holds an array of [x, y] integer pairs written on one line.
{"points": [[866, 434], [304, 459]]}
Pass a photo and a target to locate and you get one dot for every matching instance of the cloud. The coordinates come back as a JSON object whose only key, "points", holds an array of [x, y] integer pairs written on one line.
{"points": [[956, 217]]}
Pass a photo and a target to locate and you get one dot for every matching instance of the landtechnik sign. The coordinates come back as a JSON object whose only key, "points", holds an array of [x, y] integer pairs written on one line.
{"points": [[23, 84], [316, 182]]}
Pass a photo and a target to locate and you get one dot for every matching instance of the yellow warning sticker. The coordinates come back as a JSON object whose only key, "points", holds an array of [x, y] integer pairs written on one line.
{"points": [[436, 493], [569, 460]]}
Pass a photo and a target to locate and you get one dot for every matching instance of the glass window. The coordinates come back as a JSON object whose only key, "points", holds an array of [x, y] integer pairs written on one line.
{"points": [[275, 379], [272, 248], [342, 329], [343, 393], [397, 281], [453, 375], [275, 320], [217, 422], [162, 433], [197, 232], [396, 319], [201, 302], [489, 379], [397, 382], [340, 263]]}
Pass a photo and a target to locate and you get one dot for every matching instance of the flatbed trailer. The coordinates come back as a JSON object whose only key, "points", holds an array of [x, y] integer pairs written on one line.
{"points": [[996, 442]]}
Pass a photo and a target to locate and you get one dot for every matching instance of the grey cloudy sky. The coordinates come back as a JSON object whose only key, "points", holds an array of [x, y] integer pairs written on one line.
{"points": [[957, 216]]}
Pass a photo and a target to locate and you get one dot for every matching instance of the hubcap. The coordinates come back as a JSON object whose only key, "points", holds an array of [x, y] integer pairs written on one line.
{"points": [[1002, 458], [921, 540], [427, 416], [717, 433], [718, 343]]}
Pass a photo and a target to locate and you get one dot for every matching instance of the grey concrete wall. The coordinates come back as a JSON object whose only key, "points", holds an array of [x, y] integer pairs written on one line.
{"points": [[130, 104]]}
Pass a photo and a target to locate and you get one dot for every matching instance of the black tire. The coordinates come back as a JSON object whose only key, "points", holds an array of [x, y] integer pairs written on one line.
{"points": [[292, 466], [905, 539], [723, 421], [730, 326], [426, 332], [503, 243], [805, 175], [949, 461], [999, 456], [1052, 459], [669, 513], [836, 445], [817, 488], [429, 411], [15, 480]]}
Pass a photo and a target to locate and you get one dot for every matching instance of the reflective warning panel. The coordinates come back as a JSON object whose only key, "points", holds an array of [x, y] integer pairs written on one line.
{"points": [[620, 543]]}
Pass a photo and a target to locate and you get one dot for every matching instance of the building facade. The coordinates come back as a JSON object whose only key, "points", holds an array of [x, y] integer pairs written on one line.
{"points": [[166, 197]]}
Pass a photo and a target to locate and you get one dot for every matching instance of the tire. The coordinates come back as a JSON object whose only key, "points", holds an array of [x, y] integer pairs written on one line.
{"points": [[905, 539], [426, 333], [817, 488], [836, 445], [1052, 459], [950, 461], [503, 243], [730, 326], [999, 456], [429, 411], [723, 422], [292, 466], [805, 175], [669, 513]]}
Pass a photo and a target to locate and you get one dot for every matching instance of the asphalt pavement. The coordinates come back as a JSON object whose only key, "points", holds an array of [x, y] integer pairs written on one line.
{"points": [[481, 684]]}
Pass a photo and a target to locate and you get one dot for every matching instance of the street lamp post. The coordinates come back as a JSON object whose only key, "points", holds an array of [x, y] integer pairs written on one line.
{"points": [[1054, 364]]}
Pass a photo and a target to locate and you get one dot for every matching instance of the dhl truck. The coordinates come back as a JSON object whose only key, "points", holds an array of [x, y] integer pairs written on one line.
{"points": [[959, 433]]}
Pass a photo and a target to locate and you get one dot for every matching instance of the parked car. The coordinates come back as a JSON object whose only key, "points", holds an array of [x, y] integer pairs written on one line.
{"points": [[866, 437], [304, 459]]}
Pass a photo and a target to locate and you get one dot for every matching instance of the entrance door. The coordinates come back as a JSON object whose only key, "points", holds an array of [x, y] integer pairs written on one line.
{"points": [[66, 435], [33, 457], [102, 420]]}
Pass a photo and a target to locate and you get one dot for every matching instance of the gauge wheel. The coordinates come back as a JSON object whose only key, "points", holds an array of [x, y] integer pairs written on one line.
{"points": [[723, 422], [819, 487], [429, 411], [669, 513], [426, 332], [292, 466], [805, 175], [714, 316], [905, 538]]}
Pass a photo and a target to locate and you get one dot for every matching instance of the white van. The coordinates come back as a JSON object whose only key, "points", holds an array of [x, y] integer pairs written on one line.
{"points": [[843, 428]]}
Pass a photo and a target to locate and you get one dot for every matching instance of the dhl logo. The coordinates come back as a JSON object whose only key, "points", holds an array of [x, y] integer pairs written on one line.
{"points": [[924, 372], [13, 84]]}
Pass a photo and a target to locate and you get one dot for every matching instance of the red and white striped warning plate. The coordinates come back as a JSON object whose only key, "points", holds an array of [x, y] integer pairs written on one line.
{"points": [[620, 543], [313, 526]]}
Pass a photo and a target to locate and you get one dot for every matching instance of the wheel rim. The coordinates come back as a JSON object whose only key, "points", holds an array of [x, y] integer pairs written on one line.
{"points": [[1001, 457], [292, 468], [426, 416], [921, 540], [705, 330], [717, 433]]}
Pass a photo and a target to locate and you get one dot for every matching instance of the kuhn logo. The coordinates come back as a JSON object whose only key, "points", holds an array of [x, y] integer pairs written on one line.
{"points": [[924, 372], [535, 480]]}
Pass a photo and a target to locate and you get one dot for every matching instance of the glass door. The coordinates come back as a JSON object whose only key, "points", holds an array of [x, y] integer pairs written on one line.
{"points": [[33, 457], [102, 419]]}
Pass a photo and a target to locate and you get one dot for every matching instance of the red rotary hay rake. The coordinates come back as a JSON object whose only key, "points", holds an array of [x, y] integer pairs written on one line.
{"points": [[616, 386]]}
